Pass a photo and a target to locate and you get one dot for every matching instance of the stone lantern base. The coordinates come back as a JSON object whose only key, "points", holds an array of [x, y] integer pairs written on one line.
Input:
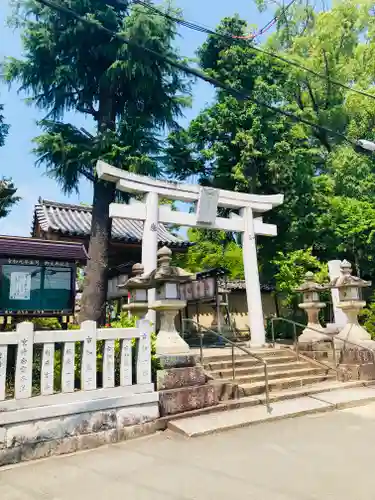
{"points": [[168, 341], [183, 386], [353, 331], [313, 341]]}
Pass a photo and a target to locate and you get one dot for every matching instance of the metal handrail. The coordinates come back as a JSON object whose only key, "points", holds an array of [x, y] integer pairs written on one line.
{"points": [[296, 345], [241, 348], [331, 341]]}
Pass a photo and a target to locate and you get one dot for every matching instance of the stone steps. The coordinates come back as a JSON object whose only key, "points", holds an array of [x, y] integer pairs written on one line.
{"points": [[279, 384], [215, 419], [281, 375], [276, 396], [247, 362], [258, 368], [244, 417], [284, 370], [225, 355]]}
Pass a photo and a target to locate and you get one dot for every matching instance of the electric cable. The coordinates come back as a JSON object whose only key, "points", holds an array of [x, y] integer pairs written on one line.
{"points": [[208, 31], [192, 71]]}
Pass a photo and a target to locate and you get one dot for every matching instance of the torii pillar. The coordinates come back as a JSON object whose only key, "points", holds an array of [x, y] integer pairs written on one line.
{"points": [[249, 223]]}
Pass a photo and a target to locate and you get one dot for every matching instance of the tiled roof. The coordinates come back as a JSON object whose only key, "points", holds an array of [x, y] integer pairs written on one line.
{"points": [[13, 246], [75, 220], [231, 285]]}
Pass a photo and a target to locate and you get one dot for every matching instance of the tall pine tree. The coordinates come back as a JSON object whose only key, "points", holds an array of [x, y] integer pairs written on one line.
{"points": [[71, 66]]}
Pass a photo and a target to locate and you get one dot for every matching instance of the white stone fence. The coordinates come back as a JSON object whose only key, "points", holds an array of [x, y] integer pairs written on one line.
{"points": [[80, 343], [47, 409]]}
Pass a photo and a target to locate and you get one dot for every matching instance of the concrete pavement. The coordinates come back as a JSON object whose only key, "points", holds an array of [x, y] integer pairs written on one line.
{"points": [[314, 457]]}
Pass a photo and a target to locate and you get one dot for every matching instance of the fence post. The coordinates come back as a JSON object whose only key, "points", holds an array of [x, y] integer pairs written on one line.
{"points": [[126, 363], [144, 352], [47, 371], [109, 363], [68, 367], [88, 364], [24, 363], [3, 369]]}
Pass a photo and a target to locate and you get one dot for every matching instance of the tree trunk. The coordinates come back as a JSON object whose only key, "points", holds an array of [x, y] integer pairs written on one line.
{"points": [[95, 286], [96, 281]]}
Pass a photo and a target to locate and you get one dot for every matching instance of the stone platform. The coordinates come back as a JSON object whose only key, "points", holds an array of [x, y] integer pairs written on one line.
{"points": [[183, 386], [318, 403]]}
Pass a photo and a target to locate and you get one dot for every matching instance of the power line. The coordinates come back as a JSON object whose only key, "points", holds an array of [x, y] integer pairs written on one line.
{"points": [[192, 71], [208, 31], [267, 26]]}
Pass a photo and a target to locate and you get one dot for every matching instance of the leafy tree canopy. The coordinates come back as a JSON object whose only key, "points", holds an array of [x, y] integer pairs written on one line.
{"points": [[328, 186], [130, 97]]}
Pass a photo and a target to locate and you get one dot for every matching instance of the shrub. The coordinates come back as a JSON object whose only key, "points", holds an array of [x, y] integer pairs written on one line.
{"points": [[367, 317]]}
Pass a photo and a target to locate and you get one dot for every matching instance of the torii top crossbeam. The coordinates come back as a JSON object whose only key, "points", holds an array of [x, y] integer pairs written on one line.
{"points": [[249, 222], [208, 200]]}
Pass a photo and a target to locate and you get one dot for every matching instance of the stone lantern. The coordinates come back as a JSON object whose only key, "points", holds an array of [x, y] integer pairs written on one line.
{"points": [[181, 383], [166, 279], [312, 304], [350, 296], [137, 287], [168, 303]]}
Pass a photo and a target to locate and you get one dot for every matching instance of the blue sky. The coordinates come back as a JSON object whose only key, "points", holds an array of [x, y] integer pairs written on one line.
{"points": [[16, 159]]}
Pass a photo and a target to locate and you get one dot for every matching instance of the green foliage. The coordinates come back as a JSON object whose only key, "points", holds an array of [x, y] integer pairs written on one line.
{"points": [[124, 321], [132, 99], [328, 186], [367, 317], [46, 324], [291, 270], [69, 65], [8, 196], [212, 251], [73, 326], [4, 128]]}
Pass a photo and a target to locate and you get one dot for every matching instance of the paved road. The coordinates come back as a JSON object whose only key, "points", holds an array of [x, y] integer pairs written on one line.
{"points": [[324, 457]]}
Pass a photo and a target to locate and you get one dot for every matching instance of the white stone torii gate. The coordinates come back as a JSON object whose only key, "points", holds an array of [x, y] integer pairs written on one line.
{"points": [[208, 200]]}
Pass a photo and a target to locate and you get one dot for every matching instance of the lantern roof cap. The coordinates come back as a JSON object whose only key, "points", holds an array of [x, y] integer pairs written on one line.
{"points": [[164, 273], [309, 285], [138, 281], [346, 279]]}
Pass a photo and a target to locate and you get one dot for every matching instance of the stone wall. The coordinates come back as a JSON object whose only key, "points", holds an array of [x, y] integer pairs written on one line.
{"points": [[40, 438]]}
